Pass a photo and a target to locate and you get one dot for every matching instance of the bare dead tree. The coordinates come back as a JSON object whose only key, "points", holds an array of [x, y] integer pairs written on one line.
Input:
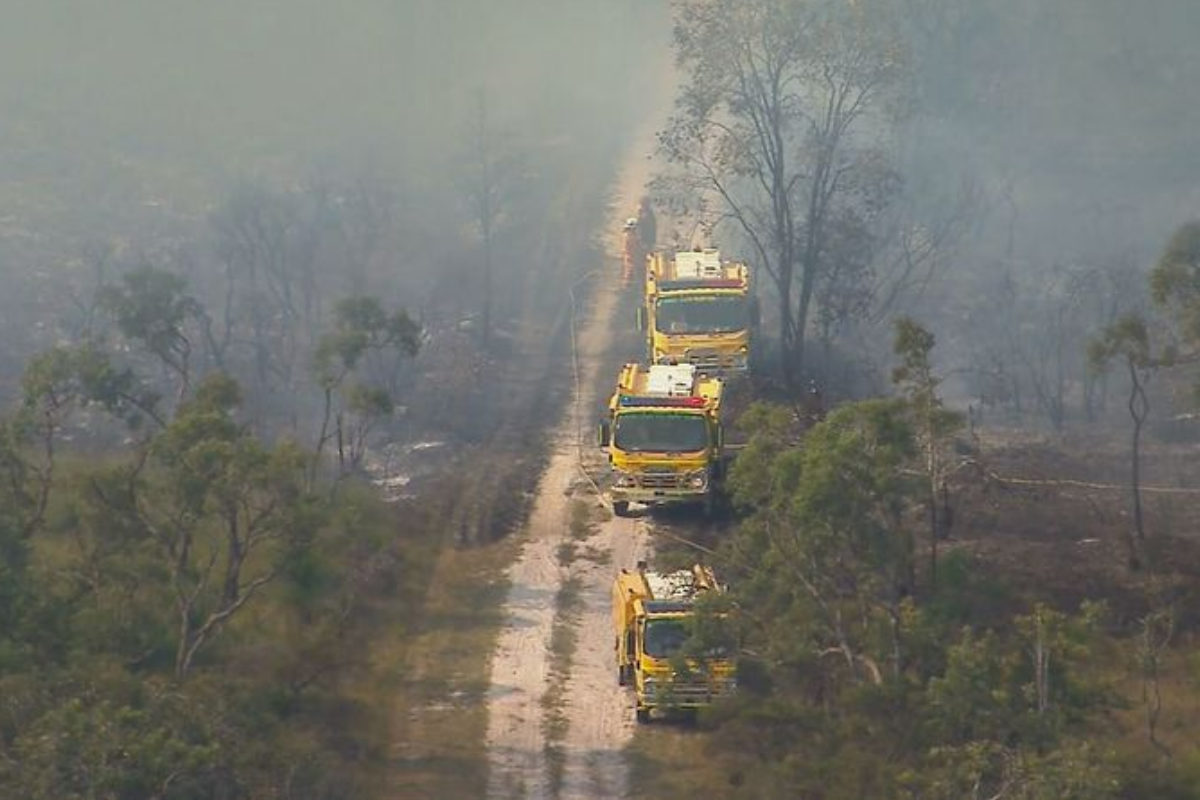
{"points": [[268, 244], [488, 176], [97, 260], [913, 249]]}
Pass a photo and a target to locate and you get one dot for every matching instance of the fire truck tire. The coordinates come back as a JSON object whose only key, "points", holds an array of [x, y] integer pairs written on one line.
{"points": [[643, 715], [620, 508]]}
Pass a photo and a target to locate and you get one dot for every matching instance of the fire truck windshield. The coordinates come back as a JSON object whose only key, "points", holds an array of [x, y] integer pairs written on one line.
{"points": [[640, 431], [702, 314], [664, 637]]}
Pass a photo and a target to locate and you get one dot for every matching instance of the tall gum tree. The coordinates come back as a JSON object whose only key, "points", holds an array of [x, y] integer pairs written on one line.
{"points": [[225, 512], [363, 332], [826, 544], [933, 424], [1175, 286], [781, 103]]}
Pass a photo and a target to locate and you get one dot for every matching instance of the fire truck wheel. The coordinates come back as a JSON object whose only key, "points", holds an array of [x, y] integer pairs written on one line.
{"points": [[643, 715], [621, 508]]}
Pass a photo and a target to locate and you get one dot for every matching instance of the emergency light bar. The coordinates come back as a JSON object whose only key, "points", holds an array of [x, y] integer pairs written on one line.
{"points": [[668, 606], [710, 283], [630, 401]]}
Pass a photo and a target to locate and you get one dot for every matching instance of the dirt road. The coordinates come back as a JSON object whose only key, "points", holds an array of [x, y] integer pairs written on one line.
{"points": [[557, 721]]}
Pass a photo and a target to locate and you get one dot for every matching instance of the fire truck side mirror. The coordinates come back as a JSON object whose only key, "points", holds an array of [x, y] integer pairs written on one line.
{"points": [[604, 434]]}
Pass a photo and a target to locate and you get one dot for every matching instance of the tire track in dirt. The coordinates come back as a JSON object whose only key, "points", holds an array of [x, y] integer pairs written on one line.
{"points": [[599, 713], [597, 716]]}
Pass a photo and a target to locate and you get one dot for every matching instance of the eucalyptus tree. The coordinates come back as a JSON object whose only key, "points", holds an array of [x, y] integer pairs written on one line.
{"points": [[1175, 286], [781, 121], [827, 548], [224, 512], [151, 306], [365, 338], [915, 377]]}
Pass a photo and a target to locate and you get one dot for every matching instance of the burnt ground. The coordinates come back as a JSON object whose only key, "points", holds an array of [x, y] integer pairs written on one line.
{"points": [[1051, 519]]}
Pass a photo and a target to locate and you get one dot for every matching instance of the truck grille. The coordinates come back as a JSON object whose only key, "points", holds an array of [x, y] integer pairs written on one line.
{"points": [[714, 360], [689, 693], [669, 480]]}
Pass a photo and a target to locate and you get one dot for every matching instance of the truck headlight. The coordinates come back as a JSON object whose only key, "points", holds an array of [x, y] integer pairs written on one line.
{"points": [[625, 480], [649, 686], [697, 480]]}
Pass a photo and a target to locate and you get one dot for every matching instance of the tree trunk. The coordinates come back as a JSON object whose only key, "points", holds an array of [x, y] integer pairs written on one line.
{"points": [[1041, 666], [322, 437], [1139, 409], [233, 558], [341, 444], [183, 648], [485, 323], [934, 469], [786, 340]]}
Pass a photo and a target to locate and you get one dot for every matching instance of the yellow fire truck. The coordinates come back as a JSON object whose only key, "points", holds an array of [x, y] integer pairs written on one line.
{"points": [[698, 310], [663, 436], [652, 616]]}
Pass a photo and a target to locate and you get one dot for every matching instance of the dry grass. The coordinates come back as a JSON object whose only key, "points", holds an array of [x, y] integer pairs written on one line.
{"points": [[668, 761], [564, 637], [443, 674], [1170, 769]]}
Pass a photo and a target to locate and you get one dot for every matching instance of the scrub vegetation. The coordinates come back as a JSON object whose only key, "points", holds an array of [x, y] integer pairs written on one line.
{"points": [[286, 332]]}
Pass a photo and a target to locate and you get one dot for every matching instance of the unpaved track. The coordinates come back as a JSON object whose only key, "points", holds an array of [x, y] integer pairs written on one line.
{"points": [[597, 714]]}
